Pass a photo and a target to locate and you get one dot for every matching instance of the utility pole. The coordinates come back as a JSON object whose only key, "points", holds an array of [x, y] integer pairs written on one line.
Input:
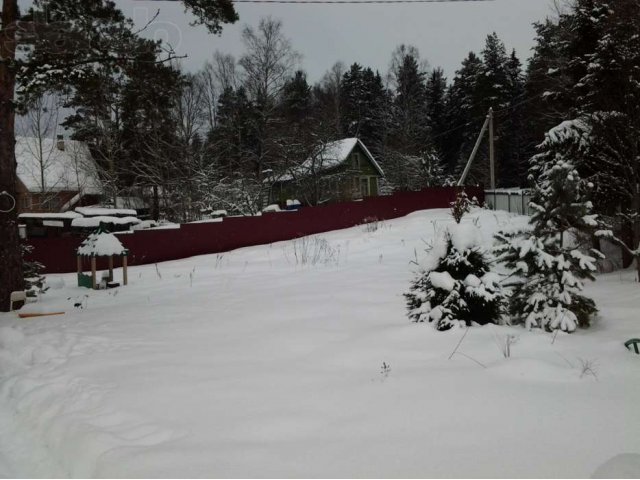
{"points": [[488, 122], [492, 156]]}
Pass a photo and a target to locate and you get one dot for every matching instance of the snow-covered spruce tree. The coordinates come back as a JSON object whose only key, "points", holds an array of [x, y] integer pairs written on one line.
{"points": [[548, 261], [456, 286]]}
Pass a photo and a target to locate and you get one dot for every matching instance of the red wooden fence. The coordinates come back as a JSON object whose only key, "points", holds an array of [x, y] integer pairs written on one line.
{"points": [[151, 246]]}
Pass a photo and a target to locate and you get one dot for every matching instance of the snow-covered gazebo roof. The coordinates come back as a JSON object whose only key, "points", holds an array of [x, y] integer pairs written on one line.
{"points": [[102, 244]]}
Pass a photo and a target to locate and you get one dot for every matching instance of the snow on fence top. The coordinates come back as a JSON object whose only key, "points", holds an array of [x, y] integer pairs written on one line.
{"points": [[114, 212], [101, 244]]}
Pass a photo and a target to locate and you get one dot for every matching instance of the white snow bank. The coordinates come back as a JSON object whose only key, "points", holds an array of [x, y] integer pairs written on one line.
{"points": [[55, 283], [10, 338], [44, 306], [625, 465], [246, 365]]}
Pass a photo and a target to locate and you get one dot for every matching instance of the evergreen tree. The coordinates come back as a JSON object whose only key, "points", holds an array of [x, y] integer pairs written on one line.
{"points": [[549, 260], [410, 129], [547, 80], [512, 170], [300, 132], [493, 84], [233, 136], [34, 279], [327, 101], [495, 88], [608, 95], [464, 116], [296, 100], [593, 77], [436, 88], [456, 287], [365, 104], [410, 161]]}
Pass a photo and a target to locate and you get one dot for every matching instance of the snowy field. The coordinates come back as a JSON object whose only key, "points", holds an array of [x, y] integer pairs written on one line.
{"points": [[296, 359]]}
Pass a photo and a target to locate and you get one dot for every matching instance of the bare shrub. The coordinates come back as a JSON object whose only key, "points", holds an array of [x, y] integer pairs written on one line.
{"points": [[588, 367], [313, 251], [371, 224], [504, 344]]}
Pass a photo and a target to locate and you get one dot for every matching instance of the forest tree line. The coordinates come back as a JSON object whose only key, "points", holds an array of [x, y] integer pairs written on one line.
{"points": [[215, 138]]}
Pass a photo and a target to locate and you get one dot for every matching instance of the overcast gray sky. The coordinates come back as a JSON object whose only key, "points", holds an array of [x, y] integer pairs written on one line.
{"points": [[366, 33]]}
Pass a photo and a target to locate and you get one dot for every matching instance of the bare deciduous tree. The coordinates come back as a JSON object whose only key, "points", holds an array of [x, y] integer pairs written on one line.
{"points": [[40, 125], [268, 63], [269, 60]]}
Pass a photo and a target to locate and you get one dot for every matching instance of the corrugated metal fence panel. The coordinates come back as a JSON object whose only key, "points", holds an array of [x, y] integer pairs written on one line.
{"points": [[151, 246], [509, 200]]}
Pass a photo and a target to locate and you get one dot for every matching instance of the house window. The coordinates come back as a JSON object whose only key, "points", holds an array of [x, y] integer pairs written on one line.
{"points": [[355, 156], [51, 204], [373, 186], [364, 187], [25, 202]]}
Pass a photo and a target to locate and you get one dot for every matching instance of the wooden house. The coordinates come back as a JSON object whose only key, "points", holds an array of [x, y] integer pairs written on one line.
{"points": [[55, 175], [342, 170]]}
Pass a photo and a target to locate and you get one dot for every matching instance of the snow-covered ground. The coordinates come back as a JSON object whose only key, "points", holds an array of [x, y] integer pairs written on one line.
{"points": [[260, 363]]}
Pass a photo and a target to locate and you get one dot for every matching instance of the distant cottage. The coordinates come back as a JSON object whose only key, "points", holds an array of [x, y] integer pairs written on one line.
{"points": [[337, 171], [55, 175]]}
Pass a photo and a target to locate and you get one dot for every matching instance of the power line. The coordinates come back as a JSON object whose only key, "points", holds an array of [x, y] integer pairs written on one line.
{"points": [[336, 2], [473, 120]]}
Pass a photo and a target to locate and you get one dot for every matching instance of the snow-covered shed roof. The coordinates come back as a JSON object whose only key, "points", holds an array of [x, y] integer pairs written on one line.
{"points": [[101, 244], [69, 169], [331, 155], [92, 222], [58, 216], [100, 211]]}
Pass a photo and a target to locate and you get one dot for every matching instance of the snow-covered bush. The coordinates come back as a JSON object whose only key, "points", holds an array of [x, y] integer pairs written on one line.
{"points": [[548, 266], [34, 280], [456, 286]]}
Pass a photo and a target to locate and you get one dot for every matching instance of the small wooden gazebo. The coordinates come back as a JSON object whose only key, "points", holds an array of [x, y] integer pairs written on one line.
{"points": [[100, 243]]}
